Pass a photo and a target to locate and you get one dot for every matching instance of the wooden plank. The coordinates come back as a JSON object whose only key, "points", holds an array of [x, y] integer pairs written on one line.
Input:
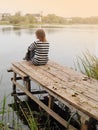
{"points": [[80, 88], [67, 75], [72, 73], [48, 110], [22, 74], [65, 69], [60, 78], [68, 96], [71, 85]]}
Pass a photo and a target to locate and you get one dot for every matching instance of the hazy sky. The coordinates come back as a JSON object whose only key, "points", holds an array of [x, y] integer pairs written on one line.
{"points": [[59, 7]]}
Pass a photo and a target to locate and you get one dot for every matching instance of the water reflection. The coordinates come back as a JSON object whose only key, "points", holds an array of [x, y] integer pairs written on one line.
{"points": [[19, 31], [16, 28], [30, 31], [6, 29]]}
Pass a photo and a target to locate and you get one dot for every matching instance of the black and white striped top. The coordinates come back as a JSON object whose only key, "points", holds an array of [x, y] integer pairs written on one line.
{"points": [[39, 52]]}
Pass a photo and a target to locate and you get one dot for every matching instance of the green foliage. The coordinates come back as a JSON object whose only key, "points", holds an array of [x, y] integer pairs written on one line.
{"points": [[19, 19], [16, 19], [31, 19], [3, 108], [29, 118], [88, 64], [5, 114], [2, 111], [52, 18]]}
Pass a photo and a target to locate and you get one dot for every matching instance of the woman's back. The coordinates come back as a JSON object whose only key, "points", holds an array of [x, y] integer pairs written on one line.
{"points": [[41, 53]]}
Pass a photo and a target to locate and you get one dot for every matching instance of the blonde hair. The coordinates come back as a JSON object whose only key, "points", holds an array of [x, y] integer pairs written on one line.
{"points": [[40, 33]]}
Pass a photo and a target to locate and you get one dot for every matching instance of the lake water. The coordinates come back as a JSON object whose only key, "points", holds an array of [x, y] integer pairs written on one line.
{"points": [[65, 44]]}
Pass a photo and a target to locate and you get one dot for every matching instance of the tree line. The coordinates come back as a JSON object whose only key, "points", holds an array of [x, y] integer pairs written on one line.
{"points": [[17, 18]]}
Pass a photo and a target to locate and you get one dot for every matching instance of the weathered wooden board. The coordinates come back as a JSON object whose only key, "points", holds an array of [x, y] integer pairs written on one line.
{"points": [[17, 71], [60, 77], [73, 87]]}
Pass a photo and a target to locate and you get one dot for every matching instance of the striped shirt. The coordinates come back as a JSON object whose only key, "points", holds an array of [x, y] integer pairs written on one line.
{"points": [[39, 52]]}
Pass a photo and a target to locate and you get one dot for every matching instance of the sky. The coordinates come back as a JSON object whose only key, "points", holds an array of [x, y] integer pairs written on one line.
{"points": [[65, 8]]}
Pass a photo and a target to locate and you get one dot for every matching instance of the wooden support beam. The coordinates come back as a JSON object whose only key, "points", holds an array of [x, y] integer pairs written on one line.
{"points": [[17, 78], [46, 108], [34, 92], [10, 70]]}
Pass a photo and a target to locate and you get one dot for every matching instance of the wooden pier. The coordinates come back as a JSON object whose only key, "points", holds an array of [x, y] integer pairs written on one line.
{"points": [[71, 88]]}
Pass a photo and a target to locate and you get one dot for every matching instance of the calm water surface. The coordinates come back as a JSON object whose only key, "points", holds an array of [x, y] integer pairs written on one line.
{"points": [[65, 44]]}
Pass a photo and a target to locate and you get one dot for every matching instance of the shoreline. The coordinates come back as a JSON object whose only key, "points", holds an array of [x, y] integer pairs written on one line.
{"points": [[21, 26]]}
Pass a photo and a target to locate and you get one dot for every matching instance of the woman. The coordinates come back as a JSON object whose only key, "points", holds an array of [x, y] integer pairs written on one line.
{"points": [[38, 51]]}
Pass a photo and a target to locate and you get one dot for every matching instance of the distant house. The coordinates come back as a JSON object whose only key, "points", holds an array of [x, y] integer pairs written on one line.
{"points": [[4, 15], [68, 19], [38, 17]]}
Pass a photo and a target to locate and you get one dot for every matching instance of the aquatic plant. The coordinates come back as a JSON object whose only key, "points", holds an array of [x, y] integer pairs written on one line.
{"points": [[2, 111], [87, 64], [29, 117], [7, 120]]}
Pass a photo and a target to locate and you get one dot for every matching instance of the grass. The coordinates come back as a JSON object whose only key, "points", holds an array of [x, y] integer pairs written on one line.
{"points": [[88, 64], [30, 118], [6, 118], [2, 114]]}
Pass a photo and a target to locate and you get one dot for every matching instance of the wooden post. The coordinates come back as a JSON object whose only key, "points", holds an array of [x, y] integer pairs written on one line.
{"points": [[50, 103], [84, 127], [27, 83], [84, 121], [28, 86], [14, 85]]}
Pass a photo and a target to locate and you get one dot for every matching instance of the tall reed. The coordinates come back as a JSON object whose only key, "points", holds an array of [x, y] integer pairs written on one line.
{"points": [[5, 114], [29, 118], [88, 64]]}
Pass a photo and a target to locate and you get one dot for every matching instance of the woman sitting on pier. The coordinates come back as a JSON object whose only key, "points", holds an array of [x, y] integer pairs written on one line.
{"points": [[38, 51]]}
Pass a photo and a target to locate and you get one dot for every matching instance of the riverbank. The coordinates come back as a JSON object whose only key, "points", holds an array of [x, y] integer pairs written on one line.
{"points": [[27, 26], [34, 25]]}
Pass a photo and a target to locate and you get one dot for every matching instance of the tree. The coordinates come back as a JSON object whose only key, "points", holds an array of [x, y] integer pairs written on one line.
{"points": [[29, 18], [52, 18], [16, 19]]}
